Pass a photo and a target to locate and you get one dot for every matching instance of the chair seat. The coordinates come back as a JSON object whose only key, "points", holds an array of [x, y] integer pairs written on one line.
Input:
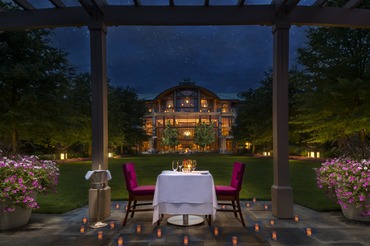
{"points": [[223, 190], [143, 190]]}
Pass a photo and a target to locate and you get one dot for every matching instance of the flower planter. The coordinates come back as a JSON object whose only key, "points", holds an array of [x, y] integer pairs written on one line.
{"points": [[15, 219], [354, 213]]}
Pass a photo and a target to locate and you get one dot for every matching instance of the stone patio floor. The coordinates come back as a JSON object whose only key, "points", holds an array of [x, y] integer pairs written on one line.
{"points": [[329, 228]]}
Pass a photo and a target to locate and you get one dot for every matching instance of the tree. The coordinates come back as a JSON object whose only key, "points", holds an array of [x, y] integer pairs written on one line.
{"points": [[204, 134], [34, 81], [125, 114], [334, 103], [170, 136]]}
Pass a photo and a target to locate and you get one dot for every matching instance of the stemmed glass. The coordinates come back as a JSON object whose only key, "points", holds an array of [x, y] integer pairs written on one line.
{"points": [[180, 165], [194, 165], [174, 166]]}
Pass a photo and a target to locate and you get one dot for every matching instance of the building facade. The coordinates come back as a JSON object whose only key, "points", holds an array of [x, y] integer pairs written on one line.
{"points": [[184, 106]]}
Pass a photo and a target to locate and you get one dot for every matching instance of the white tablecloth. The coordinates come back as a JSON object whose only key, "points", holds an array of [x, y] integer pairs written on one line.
{"points": [[184, 193]]}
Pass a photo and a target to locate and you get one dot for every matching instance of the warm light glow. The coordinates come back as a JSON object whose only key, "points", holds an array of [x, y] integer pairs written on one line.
{"points": [[308, 232], [266, 207], [235, 240], [312, 154], [138, 228], [274, 235], [296, 218], [248, 205], [187, 133], [254, 200], [272, 222], [84, 220], [111, 225], [110, 155], [256, 227], [248, 145], [186, 240], [117, 206], [82, 229], [215, 231], [317, 154], [100, 235], [63, 156], [159, 232], [120, 241]]}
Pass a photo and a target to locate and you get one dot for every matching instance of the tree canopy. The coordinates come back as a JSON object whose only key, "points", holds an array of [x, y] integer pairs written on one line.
{"points": [[204, 134]]}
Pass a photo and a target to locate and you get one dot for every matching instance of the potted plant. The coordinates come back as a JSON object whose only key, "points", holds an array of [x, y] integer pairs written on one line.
{"points": [[22, 177], [347, 182]]}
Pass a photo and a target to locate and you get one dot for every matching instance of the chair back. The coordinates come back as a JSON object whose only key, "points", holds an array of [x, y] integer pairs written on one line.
{"points": [[237, 175], [130, 175]]}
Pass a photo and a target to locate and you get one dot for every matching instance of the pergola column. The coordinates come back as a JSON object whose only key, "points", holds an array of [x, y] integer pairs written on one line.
{"points": [[281, 191], [99, 93]]}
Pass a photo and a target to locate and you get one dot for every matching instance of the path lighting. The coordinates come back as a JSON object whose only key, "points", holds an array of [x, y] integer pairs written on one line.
{"points": [[248, 145], [63, 156]]}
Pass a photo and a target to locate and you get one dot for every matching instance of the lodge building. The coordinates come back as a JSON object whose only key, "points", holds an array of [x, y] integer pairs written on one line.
{"points": [[184, 106]]}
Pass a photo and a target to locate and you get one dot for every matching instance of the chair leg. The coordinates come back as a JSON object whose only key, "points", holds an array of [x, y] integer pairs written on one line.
{"points": [[133, 208], [240, 211], [234, 208], [127, 212]]}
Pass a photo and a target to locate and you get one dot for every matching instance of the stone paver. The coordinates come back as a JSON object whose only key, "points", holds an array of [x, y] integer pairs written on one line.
{"points": [[330, 228]]}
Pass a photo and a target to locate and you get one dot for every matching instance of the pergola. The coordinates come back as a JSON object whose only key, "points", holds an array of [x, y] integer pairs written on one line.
{"points": [[97, 15]]}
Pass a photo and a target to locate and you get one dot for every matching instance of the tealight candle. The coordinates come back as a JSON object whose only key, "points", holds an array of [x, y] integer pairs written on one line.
{"points": [[266, 207], [256, 227], [100, 235], [215, 231], [186, 240], [254, 200], [223, 206], [248, 205], [308, 232], [111, 225], [296, 218], [117, 206], [274, 235], [235, 240], [126, 208], [120, 241], [82, 229], [84, 220], [272, 222], [159, 232], [138, 228]]}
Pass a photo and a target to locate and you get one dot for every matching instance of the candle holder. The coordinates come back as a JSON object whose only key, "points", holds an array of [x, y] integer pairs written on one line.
{"points": [[234, 240], [120, 241], [82, 229], [248, 204], [100, 235], [159, 232], [266, 207], [84, 221], [111, 225], [117, 206], [272, 222], [256, 227], [274, 236], [138, 229], [308, 232], [186, 240], [296, 218], [215, 231], [254, 200]]}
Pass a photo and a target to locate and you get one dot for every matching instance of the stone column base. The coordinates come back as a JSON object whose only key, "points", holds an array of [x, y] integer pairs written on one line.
{"points": [[282, 201], [104, 203]]}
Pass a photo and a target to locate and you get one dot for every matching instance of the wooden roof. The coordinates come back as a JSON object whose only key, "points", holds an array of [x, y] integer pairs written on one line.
{"points": [[31, 14]]}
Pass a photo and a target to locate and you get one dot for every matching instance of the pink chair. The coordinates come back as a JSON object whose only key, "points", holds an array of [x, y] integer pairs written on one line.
{"points": [[135, 192], [231, 192]]}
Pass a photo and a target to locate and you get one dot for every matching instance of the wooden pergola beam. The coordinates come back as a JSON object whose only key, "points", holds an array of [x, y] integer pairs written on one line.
{"points": [[24, 4], [58, 3], [352, 4], [319, 3]]}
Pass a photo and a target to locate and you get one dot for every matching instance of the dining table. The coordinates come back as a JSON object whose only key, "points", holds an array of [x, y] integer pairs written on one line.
{"points": [[186, 195]]}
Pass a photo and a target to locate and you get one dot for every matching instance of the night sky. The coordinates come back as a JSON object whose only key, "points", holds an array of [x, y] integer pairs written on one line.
{"points": [[227, 59]]}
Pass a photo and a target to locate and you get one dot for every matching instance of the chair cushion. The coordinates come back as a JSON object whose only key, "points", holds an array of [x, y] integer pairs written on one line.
{"points": [[143, 190], [223, 190]]}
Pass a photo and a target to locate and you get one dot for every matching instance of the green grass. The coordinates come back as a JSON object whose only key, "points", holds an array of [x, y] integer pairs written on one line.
{"points": [[73, 188]]}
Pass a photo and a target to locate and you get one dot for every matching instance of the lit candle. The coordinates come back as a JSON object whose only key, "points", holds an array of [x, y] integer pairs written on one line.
{"points": [[248, 205], [84, 220], [254, 200], [215, 231], [120, 241], [100, 235], [274, 235], [82, 229], [235, 240], [159, 232], [126, 208], [223, 206], [111, 225], [272, 222], [308, 232], [266, 207], [296, 218], [138, 228], [117, 206], [256, 227], [186, 240]]}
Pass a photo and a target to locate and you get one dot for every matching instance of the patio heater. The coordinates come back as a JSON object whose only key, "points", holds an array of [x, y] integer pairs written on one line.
{"points": [[98, 180]]}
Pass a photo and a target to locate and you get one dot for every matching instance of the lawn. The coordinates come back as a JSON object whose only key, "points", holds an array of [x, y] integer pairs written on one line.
{"points": [[73, 188]]}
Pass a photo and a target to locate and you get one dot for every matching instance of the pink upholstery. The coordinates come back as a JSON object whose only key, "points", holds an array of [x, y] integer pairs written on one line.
{"points": [[231, 192], [136, 192]]}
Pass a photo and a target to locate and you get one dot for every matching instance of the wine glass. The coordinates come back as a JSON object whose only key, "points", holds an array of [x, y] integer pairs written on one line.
{"points": [[180, 164], [174, 166], [194, 165]]}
